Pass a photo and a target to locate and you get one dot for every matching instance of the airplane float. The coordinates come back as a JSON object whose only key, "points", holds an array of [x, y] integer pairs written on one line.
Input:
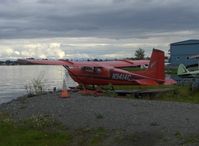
{"points": [[112, 72]]}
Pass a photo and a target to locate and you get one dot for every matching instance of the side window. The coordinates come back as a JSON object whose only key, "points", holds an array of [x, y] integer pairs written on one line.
{"points": [[97, 70], [88, 69]]}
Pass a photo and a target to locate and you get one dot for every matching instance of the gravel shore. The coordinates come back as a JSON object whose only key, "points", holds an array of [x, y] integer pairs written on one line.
{"points": [[111, 113]]}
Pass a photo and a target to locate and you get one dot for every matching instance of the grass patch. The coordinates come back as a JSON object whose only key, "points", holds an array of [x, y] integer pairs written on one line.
{"points": [[171, 71], [190, 139], [32, 132], [180, 93], [44, 131]]}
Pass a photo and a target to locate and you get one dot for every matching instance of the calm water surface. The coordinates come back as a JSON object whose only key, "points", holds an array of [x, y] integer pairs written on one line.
{"points": [[14, 78]]}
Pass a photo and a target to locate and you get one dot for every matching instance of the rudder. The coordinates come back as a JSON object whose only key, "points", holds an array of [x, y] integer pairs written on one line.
{"points": [[155, 71], [156, 65]]}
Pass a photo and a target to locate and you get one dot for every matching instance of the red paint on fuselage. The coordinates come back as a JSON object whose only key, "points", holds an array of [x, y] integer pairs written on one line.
{"points": [[107, 75]]}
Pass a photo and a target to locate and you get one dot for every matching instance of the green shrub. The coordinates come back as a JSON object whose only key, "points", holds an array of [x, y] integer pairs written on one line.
{"points": [[36, 86]]}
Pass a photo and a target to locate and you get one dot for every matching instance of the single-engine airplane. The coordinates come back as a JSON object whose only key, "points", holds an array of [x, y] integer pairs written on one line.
{"points": [[104, 73]]}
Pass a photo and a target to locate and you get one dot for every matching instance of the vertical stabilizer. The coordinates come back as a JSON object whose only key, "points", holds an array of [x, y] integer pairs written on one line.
{"points": [[182, 70], [156, 65]]}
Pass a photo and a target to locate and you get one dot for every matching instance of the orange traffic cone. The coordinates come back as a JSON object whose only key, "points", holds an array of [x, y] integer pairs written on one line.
{"points": [[64, 92]]}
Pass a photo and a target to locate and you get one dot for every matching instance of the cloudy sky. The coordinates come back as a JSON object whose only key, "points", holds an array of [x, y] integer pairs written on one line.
{"points": [[95, 28]]}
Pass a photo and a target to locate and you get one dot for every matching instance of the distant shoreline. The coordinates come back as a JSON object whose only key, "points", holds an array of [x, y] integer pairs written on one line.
{"points": [[9, 62]]}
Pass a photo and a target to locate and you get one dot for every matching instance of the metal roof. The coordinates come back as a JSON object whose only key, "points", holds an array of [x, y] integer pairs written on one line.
{"points": [[186, 42]]}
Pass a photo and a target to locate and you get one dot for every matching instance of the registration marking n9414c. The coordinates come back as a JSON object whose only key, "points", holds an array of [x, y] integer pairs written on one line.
{"points": [[121, 76]]}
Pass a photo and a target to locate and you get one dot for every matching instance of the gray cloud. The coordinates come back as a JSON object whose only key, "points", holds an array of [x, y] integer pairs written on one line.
{"points": [[109, 19], [95, 28]]}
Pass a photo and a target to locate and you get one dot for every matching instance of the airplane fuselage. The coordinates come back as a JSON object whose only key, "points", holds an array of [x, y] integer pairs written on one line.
{"points": [[93, 75]]}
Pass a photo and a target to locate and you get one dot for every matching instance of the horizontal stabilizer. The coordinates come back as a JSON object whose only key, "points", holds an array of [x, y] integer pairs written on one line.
{"points": [[169, 82], [147, 82]]}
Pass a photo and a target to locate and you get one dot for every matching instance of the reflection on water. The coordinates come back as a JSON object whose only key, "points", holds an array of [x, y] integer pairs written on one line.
{"points": [[14, 78]]}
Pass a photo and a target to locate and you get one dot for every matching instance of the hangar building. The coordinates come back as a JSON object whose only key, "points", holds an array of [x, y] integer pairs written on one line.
{"points": [[186, 52]]}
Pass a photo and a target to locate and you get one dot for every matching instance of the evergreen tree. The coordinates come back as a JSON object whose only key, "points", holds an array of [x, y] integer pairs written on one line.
{"points": [[139, 54]]}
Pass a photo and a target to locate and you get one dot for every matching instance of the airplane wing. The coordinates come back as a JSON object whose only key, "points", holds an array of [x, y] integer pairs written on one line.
{"points": [[44, 62], [116, 63], [126, 63]]}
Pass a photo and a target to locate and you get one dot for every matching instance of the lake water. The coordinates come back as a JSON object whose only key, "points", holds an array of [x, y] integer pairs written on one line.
{"points": [[13, 79]]}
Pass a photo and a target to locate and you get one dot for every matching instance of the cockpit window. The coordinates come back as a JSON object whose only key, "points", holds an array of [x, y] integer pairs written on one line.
{"points": [[96, 70], [88, 69]]}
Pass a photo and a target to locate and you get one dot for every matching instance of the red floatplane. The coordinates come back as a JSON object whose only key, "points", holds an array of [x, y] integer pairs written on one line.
{"points": [[112, 72]]}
